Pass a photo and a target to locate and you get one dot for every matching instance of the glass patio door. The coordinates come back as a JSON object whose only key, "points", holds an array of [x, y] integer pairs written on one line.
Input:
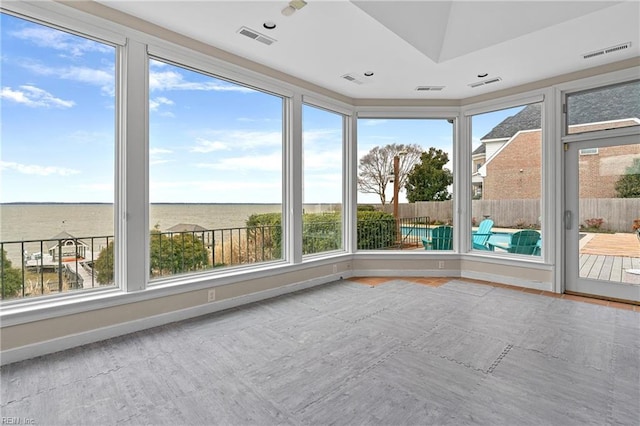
{"points": [[602, 250]]}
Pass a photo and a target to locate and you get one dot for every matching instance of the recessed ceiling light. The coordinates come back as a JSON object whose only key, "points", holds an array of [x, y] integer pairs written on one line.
{"points": [[269, 25], [368, 73], [482, 75]]}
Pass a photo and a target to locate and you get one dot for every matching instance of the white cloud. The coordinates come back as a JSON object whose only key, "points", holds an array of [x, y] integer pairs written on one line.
{"points": [[318, 160], [373, 122], [155, 103], [157, 151], [104, 78], [32, 169], [97, 187], [251, 163], [173, 80], [239, 140], [204, 145], [321, 135], [59, 40], [156, 156], [34, 97]]}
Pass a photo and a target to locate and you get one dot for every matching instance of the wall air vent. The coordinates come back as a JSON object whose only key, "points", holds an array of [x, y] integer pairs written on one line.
{"points": [[351, 78], [429, 88], [256, 36], [485, 82], [607, 50]]}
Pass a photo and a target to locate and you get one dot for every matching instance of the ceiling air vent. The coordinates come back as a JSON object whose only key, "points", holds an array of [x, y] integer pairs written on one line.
{"points": [[429, 88], [607, 50], [256, 36], [485, 82], [351, 78]]}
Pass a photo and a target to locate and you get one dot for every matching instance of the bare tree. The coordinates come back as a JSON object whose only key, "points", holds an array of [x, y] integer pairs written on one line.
{"points": [[375, 170]]}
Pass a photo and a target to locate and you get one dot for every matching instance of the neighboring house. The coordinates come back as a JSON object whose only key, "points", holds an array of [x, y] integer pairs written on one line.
{"points": [[508, 163], [68, 246]]}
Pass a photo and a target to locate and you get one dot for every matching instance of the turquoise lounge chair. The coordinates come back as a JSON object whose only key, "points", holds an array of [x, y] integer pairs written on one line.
{"points": [[480, 238], [522, 242], [441, 238]]}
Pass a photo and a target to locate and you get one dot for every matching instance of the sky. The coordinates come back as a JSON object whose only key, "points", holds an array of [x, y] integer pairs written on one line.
{"points": [[210, 141]]}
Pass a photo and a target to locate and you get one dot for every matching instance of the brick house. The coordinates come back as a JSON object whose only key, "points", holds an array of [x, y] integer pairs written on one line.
{"points": [[508, 163]]}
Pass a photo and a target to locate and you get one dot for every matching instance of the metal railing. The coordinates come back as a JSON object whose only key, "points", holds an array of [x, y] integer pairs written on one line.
{"points": [[188, 251], [49, 266], [37, 267], [392, 234]]}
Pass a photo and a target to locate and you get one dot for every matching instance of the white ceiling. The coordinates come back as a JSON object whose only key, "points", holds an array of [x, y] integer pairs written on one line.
{"points": [[409, 43]]}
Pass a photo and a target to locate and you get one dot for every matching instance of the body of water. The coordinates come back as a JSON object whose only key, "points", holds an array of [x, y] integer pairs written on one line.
{"points": [[22, 222]]}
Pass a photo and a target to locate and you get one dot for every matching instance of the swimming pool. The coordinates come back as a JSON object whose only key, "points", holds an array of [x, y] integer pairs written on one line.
{"points": [[496, 238]]}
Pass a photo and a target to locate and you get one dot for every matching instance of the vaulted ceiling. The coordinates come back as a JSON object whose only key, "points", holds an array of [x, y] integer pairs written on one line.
{"points": [[446, 45]]}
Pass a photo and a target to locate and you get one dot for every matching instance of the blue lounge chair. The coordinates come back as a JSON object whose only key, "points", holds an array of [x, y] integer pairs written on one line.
{"points": [[480, 238], [441, 239], [522, 242]]}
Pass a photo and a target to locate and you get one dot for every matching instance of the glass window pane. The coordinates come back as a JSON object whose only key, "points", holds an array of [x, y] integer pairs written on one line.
{"points": [[322, 162], [405, 184], [57, 164], [507, 181], [604, 108], [215, 172]]}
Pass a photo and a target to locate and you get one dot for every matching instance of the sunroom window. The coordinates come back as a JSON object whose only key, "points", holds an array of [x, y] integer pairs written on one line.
{"points": [[58, 149], [215, 172], [507, 188]]}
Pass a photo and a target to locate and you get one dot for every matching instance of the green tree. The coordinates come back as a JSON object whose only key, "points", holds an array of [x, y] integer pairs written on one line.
{"points": [[375, 170], [11, 280], [429, 180], [628, 186], [104, 265], [181, 252]]}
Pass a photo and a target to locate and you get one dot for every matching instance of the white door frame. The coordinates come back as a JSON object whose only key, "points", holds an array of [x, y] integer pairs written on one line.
{"points": [[573, 281]]}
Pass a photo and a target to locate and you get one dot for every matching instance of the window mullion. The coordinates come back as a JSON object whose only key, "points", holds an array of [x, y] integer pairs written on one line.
{"points": [[132, 223]]}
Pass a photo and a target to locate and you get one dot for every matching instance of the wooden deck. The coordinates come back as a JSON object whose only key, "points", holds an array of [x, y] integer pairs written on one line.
{"points": [[607, 256], [610, 268]]}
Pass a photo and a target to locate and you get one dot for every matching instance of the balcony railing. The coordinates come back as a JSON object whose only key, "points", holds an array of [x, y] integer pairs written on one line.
{"points": [[38, 267]]}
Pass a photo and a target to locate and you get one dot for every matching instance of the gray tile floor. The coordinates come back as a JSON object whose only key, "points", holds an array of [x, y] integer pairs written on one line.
{"points": [[350, 354]]}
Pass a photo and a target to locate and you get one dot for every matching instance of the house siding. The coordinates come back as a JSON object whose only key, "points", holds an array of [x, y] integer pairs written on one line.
{"points": [[515, 172]]}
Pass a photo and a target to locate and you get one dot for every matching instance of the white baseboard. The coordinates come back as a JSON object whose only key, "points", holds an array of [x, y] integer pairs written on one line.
{"points": [[74, 340], [501, 279], [407, 273]]}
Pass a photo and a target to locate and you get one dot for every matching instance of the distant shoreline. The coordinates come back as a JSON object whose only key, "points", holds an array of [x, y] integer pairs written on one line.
{"points": [[56, 203]]}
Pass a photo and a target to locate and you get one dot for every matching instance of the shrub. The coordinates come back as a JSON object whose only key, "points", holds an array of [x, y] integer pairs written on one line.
{"points": [[366, 208], [272, 240], [594, 223], [376, 230], [11, 280], [321, 232]]}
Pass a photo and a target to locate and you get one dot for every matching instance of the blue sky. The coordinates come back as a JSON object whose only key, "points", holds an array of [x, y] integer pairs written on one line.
{"points": [[210, 140]]}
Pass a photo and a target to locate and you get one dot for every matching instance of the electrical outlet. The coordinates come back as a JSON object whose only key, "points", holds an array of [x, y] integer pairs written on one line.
{"points": [[441, 264], [335, 269], [211, 296]]}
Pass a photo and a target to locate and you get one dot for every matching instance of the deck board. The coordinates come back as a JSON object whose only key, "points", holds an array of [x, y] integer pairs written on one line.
{"points": [[608, 268]]}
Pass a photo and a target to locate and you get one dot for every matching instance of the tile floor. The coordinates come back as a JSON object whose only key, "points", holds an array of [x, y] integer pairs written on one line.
{"points": [[383, 351]]}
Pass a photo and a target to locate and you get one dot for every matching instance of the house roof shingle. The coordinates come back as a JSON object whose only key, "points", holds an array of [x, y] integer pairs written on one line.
{"points": [[616, 102]]}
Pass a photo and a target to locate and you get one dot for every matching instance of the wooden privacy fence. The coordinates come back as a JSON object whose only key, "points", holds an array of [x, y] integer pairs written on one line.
{"points": [[618, 213]]}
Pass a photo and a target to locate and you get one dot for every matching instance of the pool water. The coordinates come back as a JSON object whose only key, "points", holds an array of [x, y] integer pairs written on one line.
{"points": [[497, 238]]}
